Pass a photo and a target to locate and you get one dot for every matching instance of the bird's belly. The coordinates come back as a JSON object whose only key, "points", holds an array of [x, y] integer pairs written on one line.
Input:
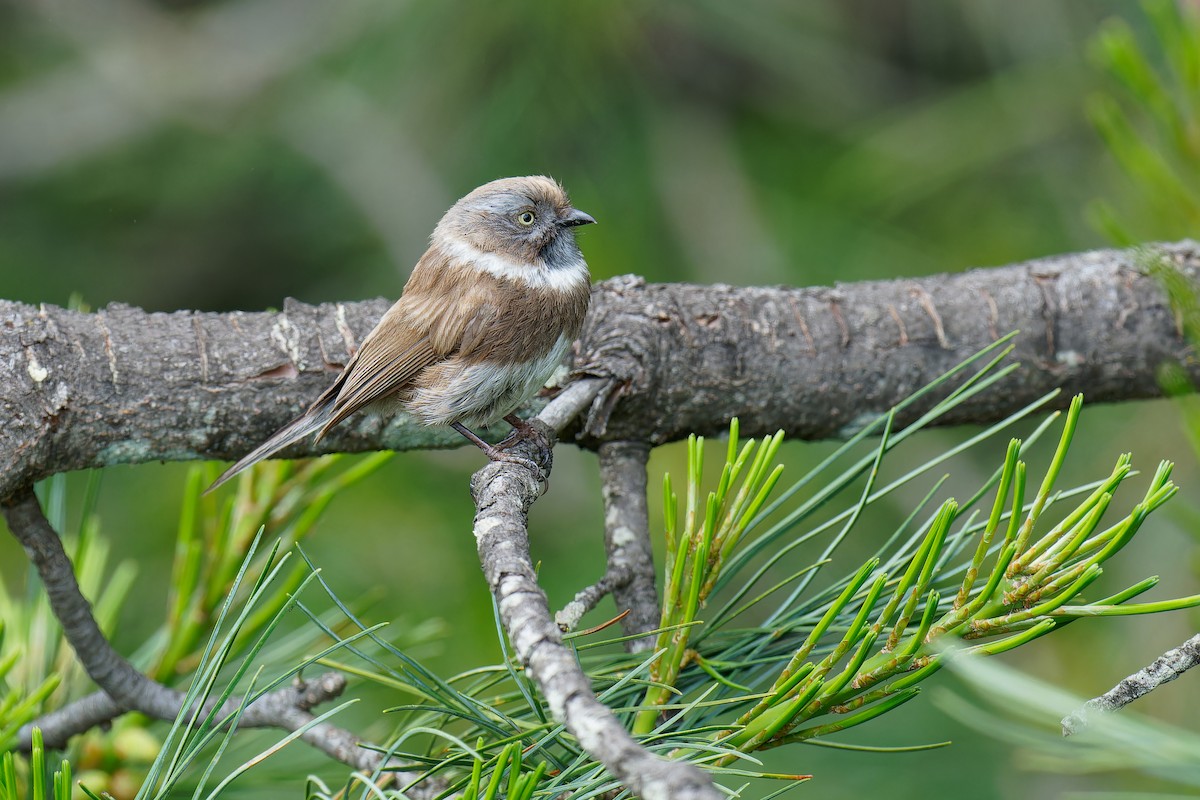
{"points": [[477, 394]]}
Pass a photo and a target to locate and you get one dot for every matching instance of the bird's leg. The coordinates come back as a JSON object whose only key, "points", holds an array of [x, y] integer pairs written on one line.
{"points": [[521, 430], [471, 436], [523, 427], [495, 453]]}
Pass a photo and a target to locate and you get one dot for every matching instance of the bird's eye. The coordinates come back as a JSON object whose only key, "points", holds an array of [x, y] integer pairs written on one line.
{"points": [[526, 218]]}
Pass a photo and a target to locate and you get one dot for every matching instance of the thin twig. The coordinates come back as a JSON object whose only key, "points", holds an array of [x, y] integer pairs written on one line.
{"points": [[503, 492], [99, 708], [124, 688], [1166, 668], [630, 572], [589, 597]]}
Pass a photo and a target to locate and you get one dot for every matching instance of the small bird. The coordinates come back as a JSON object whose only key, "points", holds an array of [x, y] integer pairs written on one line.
{"points": [[485, 318]]}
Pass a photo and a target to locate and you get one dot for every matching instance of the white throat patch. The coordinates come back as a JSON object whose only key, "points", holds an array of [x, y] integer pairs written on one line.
{"points": [[535, 276]]}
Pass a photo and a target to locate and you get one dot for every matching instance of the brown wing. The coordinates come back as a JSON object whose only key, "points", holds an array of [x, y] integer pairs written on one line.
{"points": [[473, 334], [439, 315]]}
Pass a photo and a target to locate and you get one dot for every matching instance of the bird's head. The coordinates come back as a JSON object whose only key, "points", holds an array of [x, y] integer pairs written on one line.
{"points": [[529, 220]]}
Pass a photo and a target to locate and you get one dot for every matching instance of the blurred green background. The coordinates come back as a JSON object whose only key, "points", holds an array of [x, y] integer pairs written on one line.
{"points": [[223, 155]]}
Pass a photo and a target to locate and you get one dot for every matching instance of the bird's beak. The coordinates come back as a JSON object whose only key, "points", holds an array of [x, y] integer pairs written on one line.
{"points": [[576, 217]]}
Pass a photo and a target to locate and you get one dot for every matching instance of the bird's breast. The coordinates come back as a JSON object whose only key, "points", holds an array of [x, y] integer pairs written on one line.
{"points": [[530, 323], [480, 392]]}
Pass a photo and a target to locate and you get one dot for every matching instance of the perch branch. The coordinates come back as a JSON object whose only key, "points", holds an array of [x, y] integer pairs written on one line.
{"points": [[503, 493], [1164, 669], [121, 385], [124, 688]]}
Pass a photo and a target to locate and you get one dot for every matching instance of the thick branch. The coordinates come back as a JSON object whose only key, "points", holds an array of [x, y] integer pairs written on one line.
{"points": [[503, 493], [1164, 669], [124, 688], [821, 362], [122, 386]]}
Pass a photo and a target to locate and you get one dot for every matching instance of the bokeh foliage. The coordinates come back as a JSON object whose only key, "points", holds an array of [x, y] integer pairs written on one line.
{"points": [[219, 155]]}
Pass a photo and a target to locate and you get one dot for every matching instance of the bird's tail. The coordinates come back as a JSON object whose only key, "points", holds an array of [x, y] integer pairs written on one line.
{"points": [[308, 423]]}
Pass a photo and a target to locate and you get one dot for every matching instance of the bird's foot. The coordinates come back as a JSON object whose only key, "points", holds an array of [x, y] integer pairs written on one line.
{"points": [[528, 437], [497, 454]]}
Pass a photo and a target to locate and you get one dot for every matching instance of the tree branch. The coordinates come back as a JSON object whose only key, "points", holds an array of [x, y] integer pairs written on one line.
{"points": [[124, 386], [503, 493], [821, 362], [1166, 668], [629, 576], [125, 689]]}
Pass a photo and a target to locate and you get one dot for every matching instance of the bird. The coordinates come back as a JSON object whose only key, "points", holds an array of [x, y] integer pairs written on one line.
{"points": [[485, 318]]}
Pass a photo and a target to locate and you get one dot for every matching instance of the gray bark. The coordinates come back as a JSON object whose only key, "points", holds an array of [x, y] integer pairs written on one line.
{"points": [[122, 386], [820, 362]]}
